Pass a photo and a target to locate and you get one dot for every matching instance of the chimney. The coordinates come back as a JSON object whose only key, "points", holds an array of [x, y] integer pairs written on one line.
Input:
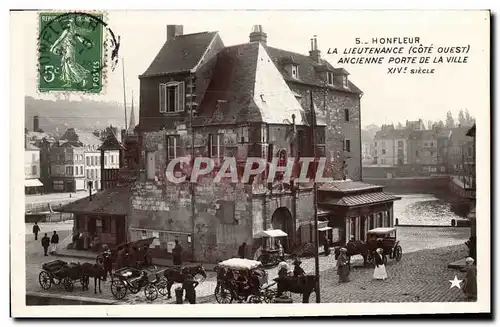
{"points": [[315, 54], [36, 123], [173, 31], [258, 35]]}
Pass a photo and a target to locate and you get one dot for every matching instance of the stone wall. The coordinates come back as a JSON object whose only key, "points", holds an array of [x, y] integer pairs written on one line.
{"points": [[332, 105]]}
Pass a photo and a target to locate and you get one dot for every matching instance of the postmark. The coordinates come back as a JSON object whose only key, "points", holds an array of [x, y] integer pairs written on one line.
{"points": [[72, 52]]}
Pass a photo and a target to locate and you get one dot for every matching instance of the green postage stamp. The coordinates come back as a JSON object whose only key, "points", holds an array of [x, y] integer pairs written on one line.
{"points": [[71, 53]]}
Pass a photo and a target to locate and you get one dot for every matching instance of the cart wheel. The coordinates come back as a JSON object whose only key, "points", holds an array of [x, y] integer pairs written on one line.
{"points": [[151, 292], [370, 259], [45, 280], [223, 296], [118, 289], [67, 284], [269, 296], [399, 253], [133, 288], [162, 288]]}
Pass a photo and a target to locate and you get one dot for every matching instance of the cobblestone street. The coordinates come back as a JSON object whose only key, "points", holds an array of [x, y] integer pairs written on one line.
{"points": [[421, 276]]}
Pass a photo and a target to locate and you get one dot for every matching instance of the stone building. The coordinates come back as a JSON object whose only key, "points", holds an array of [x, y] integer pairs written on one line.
{"points": [[32, 183], [202, 99]]}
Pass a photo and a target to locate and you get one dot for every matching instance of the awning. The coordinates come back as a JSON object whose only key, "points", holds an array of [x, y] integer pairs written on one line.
{"points": [[32, 183], [322, 229], [272, 233]]}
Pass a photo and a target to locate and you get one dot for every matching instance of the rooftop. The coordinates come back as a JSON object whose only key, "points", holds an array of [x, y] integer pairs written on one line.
{"points": [[180, 54]]}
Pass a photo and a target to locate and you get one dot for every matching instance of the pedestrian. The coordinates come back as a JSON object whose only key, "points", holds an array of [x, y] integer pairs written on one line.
{"points": [[242, 250], [470, 285], [282, 275], [281, 251], [326, 245], [177, 254], [54, 240], [36, 230], [343, 266], [45, 244], [188, 285], [106, 260], [379, 273]]}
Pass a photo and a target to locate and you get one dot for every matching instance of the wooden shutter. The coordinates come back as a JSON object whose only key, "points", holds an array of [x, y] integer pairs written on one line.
{"points": [[181, 97], [163, 97], [210, 154]]}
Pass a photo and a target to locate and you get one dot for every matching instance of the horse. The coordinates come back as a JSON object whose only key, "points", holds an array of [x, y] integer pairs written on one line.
{"points": [[174, 275], [96, 271], [355, 248], [304, 285]]}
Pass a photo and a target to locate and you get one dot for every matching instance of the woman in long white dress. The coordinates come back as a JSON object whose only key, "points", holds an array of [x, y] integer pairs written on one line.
{"points": [[379, 273]]}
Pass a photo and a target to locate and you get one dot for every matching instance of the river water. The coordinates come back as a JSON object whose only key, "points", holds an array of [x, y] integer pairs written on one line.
{"points": [[423, 209]]}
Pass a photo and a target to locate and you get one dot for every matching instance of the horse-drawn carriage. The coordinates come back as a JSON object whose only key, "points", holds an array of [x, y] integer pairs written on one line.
{"points": [[133, 280], [60, 272], [381, 237], [242, 280], [138, 247], [270, 255]]}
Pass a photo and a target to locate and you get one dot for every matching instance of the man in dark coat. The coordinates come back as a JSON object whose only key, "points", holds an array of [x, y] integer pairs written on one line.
{"points": [[54, 240], [36, 230], [45, 244], [189, 285], [326, 245], [242, 250], [177, 254]]}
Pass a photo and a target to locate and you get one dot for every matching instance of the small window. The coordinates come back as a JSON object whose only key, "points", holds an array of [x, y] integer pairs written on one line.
{"points": [[295, 71], [344, 80], [171, 97], [214, 145], [33, 157], [383, 151], [33, 170], [375, 144], [88, 161], [172, 147], [329, 78], [416, 153], [346, 114], [348, 145]]}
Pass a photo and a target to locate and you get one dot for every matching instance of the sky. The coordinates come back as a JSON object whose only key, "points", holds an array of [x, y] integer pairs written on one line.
{"points": [[387, 98]]}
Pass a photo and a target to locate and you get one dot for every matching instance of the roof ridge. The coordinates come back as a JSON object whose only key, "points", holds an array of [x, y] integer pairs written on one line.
{"points": [[191, 34]]}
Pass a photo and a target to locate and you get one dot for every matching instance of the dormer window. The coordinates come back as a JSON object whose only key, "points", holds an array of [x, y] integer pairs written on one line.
{"points": [[344, 81], [329, 78], [295, 71]]}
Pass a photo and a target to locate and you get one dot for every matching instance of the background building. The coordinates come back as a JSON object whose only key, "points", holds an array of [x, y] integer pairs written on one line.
{"points": [[32, 183]]}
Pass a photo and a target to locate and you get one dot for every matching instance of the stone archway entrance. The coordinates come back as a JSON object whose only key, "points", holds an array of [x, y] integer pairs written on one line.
{"points": [[282, 219]]}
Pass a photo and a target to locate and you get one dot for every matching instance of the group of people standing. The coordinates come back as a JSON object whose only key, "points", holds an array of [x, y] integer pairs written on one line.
{"points": [[343, 266], [53, 241]]}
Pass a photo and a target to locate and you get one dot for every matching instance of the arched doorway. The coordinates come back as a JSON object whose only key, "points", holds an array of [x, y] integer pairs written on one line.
{"points": [[282, 219]]}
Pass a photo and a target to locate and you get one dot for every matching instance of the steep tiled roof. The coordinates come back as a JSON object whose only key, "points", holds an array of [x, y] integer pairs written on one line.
{"points": [[180, 54], [362, 199], [348, 186], [246, 87], [85, 138], [113, 201], [307, 72]]}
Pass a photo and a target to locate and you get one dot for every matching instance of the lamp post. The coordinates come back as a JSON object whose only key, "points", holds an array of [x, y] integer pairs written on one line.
{"points": [[315, 202]]}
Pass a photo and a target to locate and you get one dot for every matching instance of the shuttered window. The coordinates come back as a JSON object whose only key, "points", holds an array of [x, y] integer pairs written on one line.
{"points": [[171, 97]]}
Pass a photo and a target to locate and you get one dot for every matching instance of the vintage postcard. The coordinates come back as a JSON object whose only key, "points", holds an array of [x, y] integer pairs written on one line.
{"points": [[250, 163]]}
